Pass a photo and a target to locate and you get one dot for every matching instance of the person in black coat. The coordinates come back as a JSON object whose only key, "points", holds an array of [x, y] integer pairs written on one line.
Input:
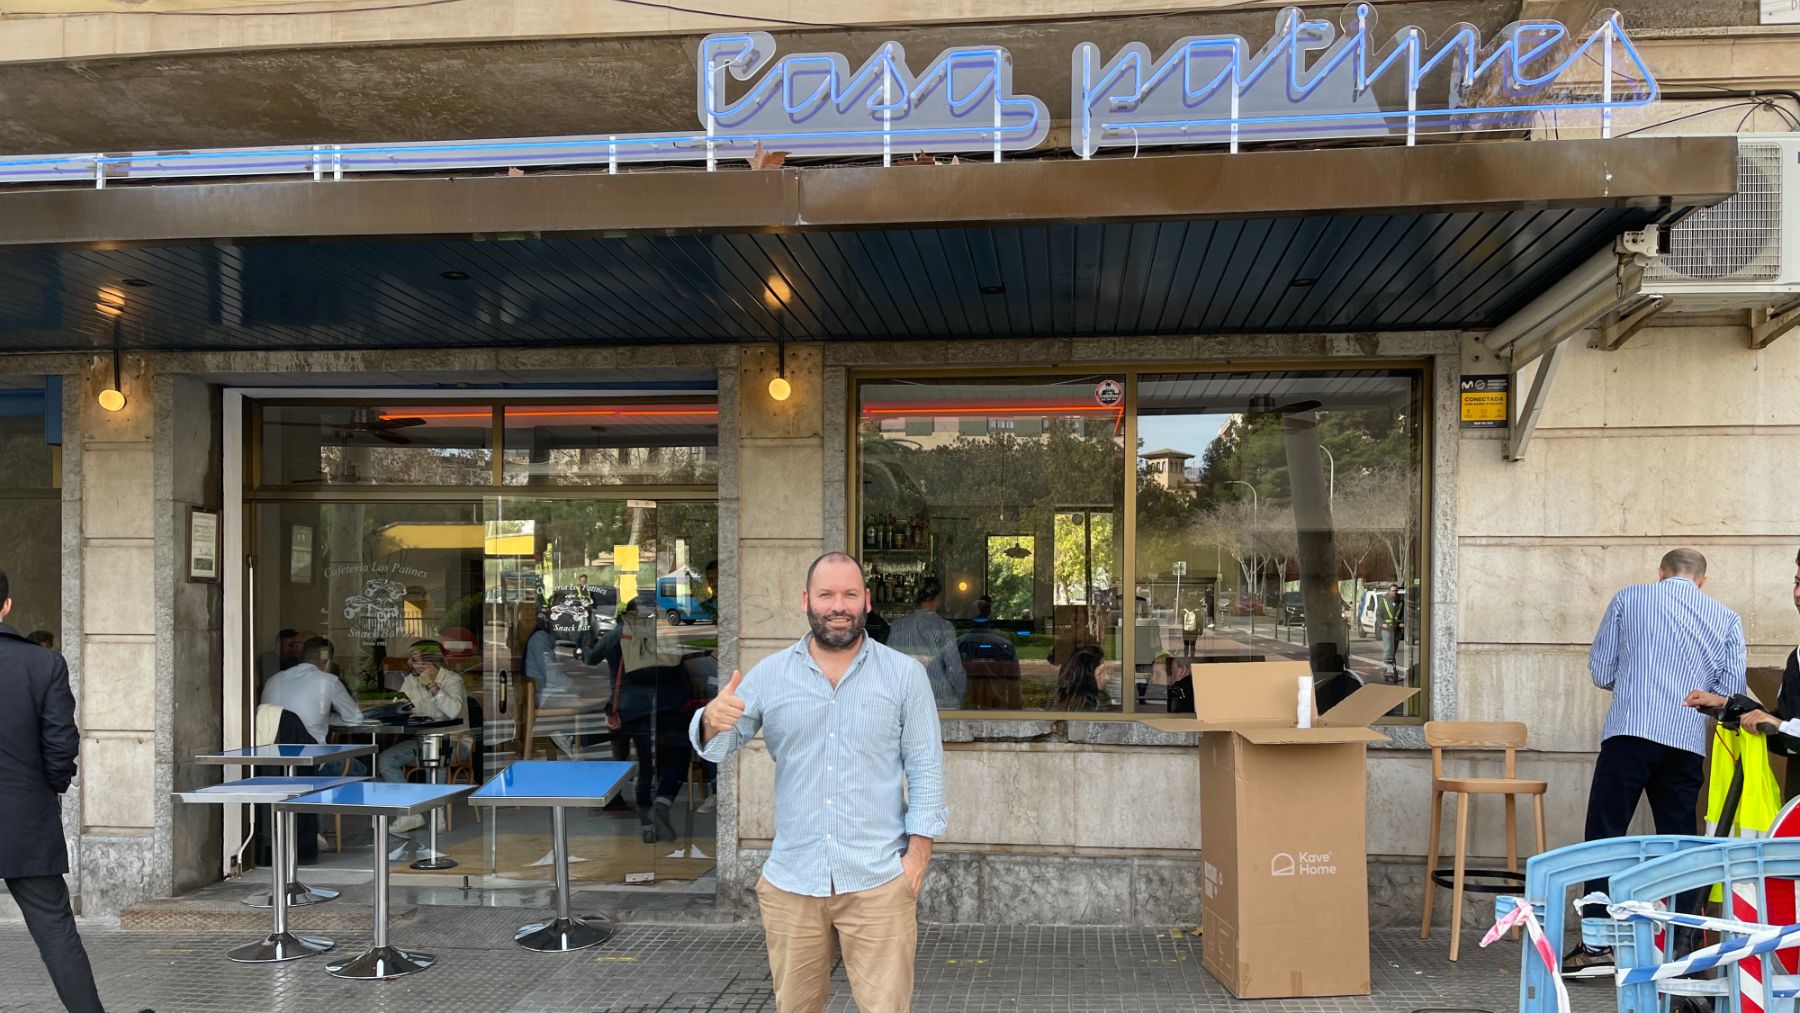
{"points": [[38, 747]]}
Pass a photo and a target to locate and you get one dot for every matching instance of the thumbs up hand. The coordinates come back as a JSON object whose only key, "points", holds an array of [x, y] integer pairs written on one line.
{"points": [[722, 714]]}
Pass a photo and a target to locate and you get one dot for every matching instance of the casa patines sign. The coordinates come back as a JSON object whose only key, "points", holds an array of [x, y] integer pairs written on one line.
{"points": [[1310, 79]]}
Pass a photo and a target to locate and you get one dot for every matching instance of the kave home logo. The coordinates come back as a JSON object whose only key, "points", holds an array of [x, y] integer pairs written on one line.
{"points": [[1302, 863]]}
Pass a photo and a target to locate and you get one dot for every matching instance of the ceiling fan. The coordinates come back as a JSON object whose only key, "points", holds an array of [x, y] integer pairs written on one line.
{"points": [[382, 428]]}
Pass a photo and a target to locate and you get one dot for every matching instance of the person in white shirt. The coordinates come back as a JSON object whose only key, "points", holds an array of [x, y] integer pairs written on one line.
{"points": [[437, 694], [315, 696]]}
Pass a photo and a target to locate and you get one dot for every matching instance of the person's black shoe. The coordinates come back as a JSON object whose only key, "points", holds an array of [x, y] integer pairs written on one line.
{"points": [[1586, 962], [649, 833], [660, 813]]}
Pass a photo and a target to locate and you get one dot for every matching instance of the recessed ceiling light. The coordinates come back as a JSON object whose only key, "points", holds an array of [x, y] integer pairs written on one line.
{"points": [[993, 289], [1304, 282], [454, 275], [135, 282]]}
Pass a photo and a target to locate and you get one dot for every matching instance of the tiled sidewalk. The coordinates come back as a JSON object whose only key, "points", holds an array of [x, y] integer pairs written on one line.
{"points": [[697, 969]]}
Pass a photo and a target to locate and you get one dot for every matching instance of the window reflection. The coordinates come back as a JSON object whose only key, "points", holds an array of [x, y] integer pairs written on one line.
{"points": [[30, 498], [1278, 518], [359, 444], [621, 444], [988, 527]]}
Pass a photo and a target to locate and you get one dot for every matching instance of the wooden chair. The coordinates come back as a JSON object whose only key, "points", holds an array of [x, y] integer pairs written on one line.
{"points": [[1475, 735]]}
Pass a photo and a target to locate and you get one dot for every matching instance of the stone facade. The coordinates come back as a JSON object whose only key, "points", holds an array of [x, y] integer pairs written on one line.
{"points": [[1670, 440]]}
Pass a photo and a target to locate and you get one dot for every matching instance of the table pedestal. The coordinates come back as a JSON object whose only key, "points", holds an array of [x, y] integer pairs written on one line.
{"points": [[563, 933], [381, 960], [280, 944], [298, 893], [434, 859]]}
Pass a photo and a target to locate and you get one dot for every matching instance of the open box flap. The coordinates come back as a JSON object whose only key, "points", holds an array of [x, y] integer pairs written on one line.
{"points": [[1366, 706], [1179, 724], [1267, 736], [1246, 693]]}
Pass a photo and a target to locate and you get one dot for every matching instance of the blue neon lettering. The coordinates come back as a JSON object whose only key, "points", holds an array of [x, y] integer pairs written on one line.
{"points": [[1225, 89], [1309, 80]]}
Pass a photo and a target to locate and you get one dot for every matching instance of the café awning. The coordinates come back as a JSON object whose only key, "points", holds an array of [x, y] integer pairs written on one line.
{"points": [[1350, 239]]}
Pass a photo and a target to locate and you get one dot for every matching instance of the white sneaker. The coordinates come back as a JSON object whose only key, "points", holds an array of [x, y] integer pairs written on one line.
{"points": [[406, 824], [323, 843], [709, 805]]}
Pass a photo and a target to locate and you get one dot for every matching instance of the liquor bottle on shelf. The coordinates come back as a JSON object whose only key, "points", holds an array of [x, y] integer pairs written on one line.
{"points": [[869, 534]]}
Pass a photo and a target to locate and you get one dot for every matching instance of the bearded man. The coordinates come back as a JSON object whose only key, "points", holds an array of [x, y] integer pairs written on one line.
{"points": [[859, 796]]}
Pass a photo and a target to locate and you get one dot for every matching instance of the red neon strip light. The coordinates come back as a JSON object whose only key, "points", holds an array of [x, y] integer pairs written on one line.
{"points": [[998, 409], [555, 412]]}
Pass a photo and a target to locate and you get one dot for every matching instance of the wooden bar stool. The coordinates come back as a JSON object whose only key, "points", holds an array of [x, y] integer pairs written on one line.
{"points": [[1475, 735]]}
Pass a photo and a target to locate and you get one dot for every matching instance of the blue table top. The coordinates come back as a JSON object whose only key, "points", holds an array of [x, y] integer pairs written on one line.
{"points": [[285, 756], [554, 783], [262, 789], [375, 798]]}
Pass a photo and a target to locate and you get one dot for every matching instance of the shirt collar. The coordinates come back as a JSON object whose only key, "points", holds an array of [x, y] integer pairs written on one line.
{"points": [[801, 648], [1684, 580]]}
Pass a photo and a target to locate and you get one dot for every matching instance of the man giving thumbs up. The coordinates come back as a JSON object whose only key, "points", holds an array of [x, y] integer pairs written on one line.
{"points": [[859, 796]]}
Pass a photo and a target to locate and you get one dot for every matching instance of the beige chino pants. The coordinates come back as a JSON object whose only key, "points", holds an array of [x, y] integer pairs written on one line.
{"points": [[878, 930]]}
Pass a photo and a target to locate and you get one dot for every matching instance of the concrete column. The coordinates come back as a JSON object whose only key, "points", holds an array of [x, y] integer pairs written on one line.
{"points": [[114, 542], [777, 501], [146, 658]]}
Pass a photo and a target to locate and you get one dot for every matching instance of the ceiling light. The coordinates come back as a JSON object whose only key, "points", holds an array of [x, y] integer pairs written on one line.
{"points": [[780, 389], [135, 282], [454, 275]]}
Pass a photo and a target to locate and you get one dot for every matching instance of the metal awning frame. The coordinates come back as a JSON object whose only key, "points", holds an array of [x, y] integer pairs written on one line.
{"points": [[1601, 289]]}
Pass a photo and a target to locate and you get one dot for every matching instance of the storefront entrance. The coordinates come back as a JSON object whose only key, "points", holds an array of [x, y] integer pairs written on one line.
{"points": [[549, 567]]}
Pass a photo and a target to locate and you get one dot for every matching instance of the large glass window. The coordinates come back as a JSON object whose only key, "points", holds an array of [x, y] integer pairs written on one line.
{"points": [[31, 501], [1278, 518], [987, 521]]}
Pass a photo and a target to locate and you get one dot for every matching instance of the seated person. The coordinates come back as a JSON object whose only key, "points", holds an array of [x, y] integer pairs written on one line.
{"points": [[990, 665], [1079, 684], [437, 694], [311, 693]]}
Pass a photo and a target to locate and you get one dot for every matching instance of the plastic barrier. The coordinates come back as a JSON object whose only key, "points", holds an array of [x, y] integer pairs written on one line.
{"points": [[1549, 880], [1744, 867]]}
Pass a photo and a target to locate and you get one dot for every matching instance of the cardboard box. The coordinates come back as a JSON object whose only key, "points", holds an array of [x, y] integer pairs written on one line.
{"points": [[1285, 913]]}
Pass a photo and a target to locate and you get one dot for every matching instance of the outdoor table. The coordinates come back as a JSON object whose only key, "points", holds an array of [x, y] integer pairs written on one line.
{"points": [[381, 801], [557, 784], [290, 757], [280, 944]]}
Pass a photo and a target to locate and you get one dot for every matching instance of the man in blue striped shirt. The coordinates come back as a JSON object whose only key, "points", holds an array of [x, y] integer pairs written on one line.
{"points": [[859, 796], [1657, 643]]}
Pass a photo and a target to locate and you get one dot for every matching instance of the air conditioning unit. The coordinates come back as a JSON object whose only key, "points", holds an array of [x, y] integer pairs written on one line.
{"points": [[1743, 253]]}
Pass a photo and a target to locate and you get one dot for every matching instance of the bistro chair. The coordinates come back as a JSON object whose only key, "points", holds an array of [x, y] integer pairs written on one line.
{"points": [[1475, 735]]}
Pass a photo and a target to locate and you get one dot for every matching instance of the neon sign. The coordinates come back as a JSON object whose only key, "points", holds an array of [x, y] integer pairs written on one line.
{"points": [[1309, 81]]}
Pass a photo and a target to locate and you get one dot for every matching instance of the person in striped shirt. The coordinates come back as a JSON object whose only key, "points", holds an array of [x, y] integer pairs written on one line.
{"points": [[859, 796], [1656, 645]]}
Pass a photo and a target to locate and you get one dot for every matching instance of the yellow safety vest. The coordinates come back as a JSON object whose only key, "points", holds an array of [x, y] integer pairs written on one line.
{"points": [[1760, 800]]}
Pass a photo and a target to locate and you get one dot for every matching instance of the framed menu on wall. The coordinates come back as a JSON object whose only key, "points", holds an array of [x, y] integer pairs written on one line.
{"points": [[203, 544]]}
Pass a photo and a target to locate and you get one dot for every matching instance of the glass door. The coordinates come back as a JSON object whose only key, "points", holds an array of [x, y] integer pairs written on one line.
{"points": [[599, 615]]}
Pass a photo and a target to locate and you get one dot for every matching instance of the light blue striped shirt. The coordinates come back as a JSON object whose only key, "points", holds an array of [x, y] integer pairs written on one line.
{"points": [[842, 814], [1657, 643]]}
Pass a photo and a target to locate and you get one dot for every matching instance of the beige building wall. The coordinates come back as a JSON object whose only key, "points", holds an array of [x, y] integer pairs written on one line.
{"points": [[1684, 436]]}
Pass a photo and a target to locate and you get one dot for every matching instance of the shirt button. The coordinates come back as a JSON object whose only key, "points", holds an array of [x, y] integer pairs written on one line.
{"points": [[827, 801], [831, 735]]}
